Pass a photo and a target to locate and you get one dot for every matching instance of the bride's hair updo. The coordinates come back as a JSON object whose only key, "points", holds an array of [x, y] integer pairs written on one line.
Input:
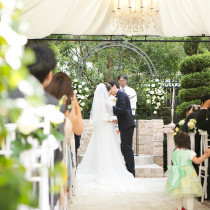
{"points": [[108, 86]]}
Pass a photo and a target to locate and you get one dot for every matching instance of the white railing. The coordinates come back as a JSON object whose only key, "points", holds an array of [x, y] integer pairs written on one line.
{"points": [[6, 149], [35, 160], [203, 168]]}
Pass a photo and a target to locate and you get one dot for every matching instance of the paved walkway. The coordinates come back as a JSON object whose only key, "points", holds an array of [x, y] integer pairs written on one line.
{"points": [[151, 199]]}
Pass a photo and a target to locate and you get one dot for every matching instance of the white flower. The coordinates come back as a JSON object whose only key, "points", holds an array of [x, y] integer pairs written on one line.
{"points": [[191, 125], [28, 121], [153, 98], [152, 92], [159, 92], [149, 101], [153, 85], [26, 88], [86, 89], [156, 80], [75, 80], [79, 86], [155, 112], [82, 104], [193, 120], [22, 103], [82, 97], [75, 91], [181, 122], [157, 107], [158, 104], [162, 97], [148, 95], [86, 96], [82, 83], [52, 114]]}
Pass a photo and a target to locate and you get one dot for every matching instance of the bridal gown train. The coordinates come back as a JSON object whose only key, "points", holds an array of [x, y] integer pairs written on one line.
{"points": [[103, 160]]}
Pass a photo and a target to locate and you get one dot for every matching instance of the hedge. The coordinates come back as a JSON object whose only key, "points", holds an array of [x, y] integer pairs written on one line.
{"points": [[193, 93], [182, 108], [196, 79], [191, 48], [195, 63]]}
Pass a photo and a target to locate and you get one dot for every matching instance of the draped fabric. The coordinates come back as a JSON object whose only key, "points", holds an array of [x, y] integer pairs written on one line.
{"points": [[94, 17]]}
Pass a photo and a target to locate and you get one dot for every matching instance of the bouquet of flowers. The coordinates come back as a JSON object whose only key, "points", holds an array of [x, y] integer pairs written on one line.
{"points": [[155, 95], [191, 125], [82, 91], [181, 123]]}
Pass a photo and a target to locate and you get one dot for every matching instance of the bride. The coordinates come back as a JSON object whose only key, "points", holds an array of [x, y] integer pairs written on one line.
{"points": [[103, 161]]}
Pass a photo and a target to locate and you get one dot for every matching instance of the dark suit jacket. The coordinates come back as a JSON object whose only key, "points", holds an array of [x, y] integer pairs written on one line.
{"points": [[192, 115], [203, 120], [123, 111]]}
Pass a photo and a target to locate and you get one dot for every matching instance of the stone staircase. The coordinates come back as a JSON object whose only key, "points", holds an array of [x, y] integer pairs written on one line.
{"points": [[144, 166]]}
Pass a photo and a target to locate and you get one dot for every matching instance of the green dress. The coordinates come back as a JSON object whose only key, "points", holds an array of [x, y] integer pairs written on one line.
{"points": [[183, 179]]}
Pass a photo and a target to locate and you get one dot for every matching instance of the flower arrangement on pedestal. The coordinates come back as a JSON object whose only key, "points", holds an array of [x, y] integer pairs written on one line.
{"points": [[191, 125], [155, 95], [82, 91]]}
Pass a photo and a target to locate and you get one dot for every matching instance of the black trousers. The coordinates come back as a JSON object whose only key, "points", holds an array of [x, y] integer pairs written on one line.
{"points": [[126, 148]]}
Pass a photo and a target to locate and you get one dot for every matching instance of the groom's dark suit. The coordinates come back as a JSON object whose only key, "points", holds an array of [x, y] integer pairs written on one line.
{"points": [[126, 126]]}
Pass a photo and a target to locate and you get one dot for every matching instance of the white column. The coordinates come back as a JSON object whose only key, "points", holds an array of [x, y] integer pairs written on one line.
{"points": [[169, 131]]}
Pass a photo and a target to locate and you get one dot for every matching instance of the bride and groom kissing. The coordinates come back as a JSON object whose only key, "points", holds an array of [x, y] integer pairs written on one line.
{"points": [[109, 156]]}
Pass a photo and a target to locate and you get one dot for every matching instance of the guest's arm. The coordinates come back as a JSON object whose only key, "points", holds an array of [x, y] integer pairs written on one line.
{"points": [[75, 116], [200, 159], [207, 152]]}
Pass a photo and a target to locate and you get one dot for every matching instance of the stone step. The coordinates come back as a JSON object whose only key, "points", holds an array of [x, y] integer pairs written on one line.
{"points": [[144, 159], [148, 171]]}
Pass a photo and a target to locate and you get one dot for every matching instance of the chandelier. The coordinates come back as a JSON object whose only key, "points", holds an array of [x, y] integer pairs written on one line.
{"points": [[135, 16]]}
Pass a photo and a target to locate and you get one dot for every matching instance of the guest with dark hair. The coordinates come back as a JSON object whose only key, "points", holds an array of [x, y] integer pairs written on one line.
{"points": [[60, 86], [42, 69], [45, 63]]}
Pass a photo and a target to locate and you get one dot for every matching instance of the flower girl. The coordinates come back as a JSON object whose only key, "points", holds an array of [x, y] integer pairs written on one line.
{"points": [[183, 181]]}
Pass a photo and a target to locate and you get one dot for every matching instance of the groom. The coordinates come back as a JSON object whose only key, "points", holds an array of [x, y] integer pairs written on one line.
{"points": [[122, 110]]}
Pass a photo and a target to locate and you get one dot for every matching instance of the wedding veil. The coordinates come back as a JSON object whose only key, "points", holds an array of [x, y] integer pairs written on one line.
{"points": [[102, 106]]}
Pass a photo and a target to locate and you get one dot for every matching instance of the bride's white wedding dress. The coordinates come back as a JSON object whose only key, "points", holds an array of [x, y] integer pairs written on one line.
{"points": [[103, 162]]}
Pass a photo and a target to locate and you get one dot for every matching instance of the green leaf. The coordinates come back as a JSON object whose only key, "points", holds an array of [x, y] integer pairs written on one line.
{"points": [[59, 136]]}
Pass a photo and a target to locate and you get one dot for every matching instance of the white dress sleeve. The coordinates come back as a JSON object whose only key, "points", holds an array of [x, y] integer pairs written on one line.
{"points": [[192, 154]]}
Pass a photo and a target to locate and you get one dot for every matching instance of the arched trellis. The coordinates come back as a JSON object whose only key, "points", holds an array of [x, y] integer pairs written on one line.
{"points": [[129, 46]]}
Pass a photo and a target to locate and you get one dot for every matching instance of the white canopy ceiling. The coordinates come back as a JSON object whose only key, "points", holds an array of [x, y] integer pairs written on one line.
{"points": [[94, 17]]}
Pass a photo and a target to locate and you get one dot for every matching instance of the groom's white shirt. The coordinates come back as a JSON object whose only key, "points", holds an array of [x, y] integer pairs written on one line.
{"points": [[132, 96]]}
